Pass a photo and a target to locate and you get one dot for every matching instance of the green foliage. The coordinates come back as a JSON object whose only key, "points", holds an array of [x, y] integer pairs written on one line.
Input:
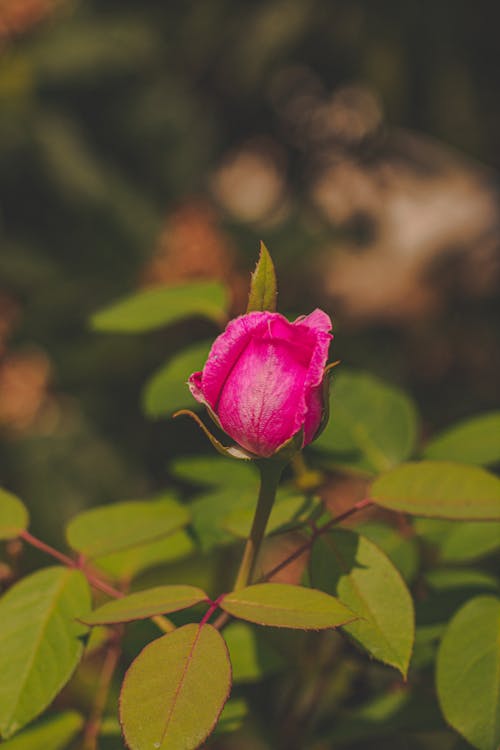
{"points": [[232, 716], [252, 657], [288, 511], [286, 606], [357, 571], [142, 604], [439, 489], [468, 672], [54, 733], [167, 390], [14, 517], [157, 307], [263, 286], [114, 528], [469, 540], [176, 706], [400, 548], [129, 563], [473, 441], [214, 471], [372, 426], [41, 643]]}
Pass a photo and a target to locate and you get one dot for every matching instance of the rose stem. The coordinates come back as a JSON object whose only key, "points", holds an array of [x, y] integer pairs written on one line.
{"points": [[270, 474]]}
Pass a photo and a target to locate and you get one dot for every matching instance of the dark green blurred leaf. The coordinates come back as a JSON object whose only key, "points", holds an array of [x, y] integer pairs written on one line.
{"points": [[167, 390], [439, 489], [468, 672], [113, 528], [461, 578], [129, 563], [473, 441], [252, 658], [232, 716], [160, 306], [372, 426], [214, 471]]}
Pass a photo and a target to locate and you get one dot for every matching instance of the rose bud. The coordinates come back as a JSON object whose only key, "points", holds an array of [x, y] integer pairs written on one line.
{"points": [[263, 379]]}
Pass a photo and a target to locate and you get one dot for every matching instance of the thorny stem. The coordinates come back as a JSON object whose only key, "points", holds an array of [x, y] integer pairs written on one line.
{"points": [[163, 623], [110, 662]]}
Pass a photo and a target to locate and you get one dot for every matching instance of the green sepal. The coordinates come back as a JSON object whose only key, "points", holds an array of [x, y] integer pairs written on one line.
{"points": [[232, 451], [325, 394], [263, 286], [285, 452]]}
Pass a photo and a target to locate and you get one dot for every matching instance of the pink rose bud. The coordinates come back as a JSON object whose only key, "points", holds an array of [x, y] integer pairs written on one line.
{"points": [[263, 378]]}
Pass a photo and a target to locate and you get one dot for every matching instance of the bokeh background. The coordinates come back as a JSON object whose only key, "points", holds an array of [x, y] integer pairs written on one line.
{"points": [[151, 143]]}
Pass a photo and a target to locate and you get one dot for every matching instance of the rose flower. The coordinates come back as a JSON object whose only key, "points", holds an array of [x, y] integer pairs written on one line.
{"points": [[263, 379]]}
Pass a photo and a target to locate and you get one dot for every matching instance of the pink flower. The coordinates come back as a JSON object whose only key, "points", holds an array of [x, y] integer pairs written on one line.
{"points": [[263, 377]]}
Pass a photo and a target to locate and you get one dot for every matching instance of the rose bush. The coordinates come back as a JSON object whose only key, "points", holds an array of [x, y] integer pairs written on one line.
{"points": [[263, 378]]}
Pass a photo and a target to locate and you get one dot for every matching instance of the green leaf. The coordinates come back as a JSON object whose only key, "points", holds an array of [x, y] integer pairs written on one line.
{"points": [[283, 605], [252, 658], [175, 690], [287, 510], [470, 541], [473, 441], [54, 733], [160, 306], [209, 511], [443, 579], [232, 717], [214, 471], [126, 565], [401, 550], [468, 672], [347, 564], [40, 642], [143, 604], [112, 528], [167, 390], [372, 425], [440, 489], [14, 517], [263, 286]]}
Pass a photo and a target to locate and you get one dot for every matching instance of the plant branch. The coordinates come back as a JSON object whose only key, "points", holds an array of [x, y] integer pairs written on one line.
{"points": [[317, 532], [110, 662], [162, 622], [270, 474]]}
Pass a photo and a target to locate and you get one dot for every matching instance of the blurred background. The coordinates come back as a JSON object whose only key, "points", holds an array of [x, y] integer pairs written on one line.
{"points": [[149, 143], [146, 144]]}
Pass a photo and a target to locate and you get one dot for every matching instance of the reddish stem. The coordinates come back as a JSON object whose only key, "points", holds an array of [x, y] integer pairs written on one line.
{"points": [[71, 563], [319, 531], [30, 539]]}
